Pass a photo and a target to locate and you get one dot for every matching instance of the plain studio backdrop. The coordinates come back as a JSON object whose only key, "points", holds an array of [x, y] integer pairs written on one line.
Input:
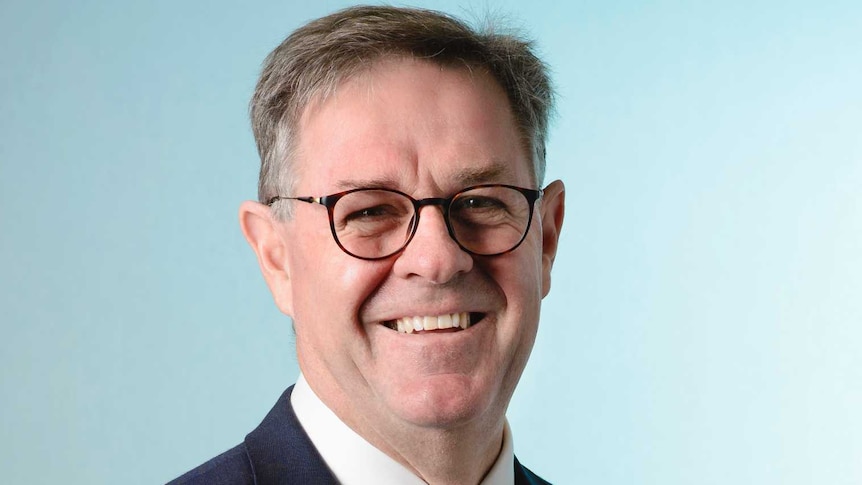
{"points": [[705, 321]]}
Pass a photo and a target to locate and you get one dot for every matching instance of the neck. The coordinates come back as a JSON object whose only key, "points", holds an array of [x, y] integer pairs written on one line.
{"points": [[443, 454], [461, 455]]}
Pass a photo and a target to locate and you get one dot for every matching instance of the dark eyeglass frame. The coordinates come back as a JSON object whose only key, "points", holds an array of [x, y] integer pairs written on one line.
{"points": [[329, 201]]}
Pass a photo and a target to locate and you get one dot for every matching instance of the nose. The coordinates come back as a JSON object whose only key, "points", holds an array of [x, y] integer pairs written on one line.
{"points": [[432, 254]]}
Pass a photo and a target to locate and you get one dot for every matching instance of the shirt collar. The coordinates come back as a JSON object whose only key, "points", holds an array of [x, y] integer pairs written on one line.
{"points": [[353, 460]]}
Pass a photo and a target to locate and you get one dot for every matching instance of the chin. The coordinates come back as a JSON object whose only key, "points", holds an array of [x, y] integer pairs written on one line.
{"points": [[443, 401]]}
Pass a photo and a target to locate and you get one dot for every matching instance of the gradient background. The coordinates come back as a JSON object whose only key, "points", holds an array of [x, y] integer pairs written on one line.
{"points": [[704, 325]]}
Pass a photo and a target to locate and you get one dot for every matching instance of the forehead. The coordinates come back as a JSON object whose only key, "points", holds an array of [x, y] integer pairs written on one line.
{"points": [[404, 123]]}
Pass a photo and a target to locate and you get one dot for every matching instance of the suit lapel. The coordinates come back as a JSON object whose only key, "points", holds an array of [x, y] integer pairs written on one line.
{"points": [[280, 451], [523, 476]]}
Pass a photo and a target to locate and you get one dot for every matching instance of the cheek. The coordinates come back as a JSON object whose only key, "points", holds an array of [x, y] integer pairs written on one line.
{"points": [[329, 287], [330, 338], [519, 276], [526, 289], [520, 273]]}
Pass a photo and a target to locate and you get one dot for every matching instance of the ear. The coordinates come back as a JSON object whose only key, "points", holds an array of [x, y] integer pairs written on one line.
{"points": [[262, 231], [551, 210]]}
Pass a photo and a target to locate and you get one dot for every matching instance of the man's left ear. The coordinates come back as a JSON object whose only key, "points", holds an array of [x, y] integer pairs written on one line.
{"points": [[551, 210]]}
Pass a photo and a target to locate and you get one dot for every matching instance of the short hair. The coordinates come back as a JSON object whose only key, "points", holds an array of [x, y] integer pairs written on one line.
{"points": [[312, 61]]}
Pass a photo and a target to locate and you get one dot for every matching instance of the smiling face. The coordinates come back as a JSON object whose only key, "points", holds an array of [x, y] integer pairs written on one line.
{"points": [[427, 131]]}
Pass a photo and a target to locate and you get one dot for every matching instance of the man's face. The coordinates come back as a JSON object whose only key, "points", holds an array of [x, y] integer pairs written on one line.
{"points": [[427, 131]]}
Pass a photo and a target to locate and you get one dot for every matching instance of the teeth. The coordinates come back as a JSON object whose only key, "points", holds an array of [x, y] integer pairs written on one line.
{"points": [[416, 324], [444, 321]]}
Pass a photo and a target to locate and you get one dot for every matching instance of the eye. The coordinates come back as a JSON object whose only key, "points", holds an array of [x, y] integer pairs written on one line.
{"points": [[479, 211], [477, 203], [372, 213]]}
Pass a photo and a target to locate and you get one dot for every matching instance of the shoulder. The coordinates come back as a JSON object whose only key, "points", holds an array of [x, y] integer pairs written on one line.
{"points": [[277, 451], [230, 468]]}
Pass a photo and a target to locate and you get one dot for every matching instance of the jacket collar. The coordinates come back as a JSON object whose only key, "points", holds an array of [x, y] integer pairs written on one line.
{"points": [[281, 453]]}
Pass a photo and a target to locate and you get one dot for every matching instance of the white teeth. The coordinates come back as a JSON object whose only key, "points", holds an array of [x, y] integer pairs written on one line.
{"points": [[444, 321], [417, 324]]}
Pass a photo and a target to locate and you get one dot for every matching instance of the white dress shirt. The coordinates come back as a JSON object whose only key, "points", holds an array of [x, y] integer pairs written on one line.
{"points": [[355, 461]]}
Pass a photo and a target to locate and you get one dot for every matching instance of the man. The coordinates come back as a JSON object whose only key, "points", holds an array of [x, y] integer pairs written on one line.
{"points": [[401, 227]]}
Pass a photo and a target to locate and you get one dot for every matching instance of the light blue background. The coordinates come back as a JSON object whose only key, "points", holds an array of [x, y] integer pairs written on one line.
{"points": [[704, 325]]}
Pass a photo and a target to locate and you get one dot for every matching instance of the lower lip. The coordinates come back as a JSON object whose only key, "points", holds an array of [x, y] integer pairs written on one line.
{"points": [[439, 330]]}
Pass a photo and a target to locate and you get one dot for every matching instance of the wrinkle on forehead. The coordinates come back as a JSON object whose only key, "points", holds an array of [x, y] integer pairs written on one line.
{"points": [[398, 155]]}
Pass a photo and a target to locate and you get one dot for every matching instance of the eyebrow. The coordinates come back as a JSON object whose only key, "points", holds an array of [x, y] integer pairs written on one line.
{"points": [[466, 177], [492, 173], [375, 183]]}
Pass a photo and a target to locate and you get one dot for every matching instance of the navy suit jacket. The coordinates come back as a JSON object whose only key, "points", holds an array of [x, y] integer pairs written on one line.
{"points": [[279, 452]]}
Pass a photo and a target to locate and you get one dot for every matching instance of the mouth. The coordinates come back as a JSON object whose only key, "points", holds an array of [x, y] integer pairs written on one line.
{"points": [[452, 322]]}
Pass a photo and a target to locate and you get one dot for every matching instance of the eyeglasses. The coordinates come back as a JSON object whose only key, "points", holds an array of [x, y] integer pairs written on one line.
{"points": [[371, 224]]}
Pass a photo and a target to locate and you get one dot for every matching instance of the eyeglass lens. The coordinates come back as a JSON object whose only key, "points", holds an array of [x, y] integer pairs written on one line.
{"points": [[376, 223]]}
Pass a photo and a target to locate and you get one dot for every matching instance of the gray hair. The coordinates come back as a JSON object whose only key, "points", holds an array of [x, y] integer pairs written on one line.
{"points": [[311, 63]]}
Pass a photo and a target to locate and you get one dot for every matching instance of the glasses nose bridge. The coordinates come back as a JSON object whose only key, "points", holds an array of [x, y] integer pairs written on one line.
{"points": [[442, 202]]}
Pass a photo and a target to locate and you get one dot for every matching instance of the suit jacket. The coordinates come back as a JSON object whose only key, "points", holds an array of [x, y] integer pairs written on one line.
{"points": [[279, 452]]}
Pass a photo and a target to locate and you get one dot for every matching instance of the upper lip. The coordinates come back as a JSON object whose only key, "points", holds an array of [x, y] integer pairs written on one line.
{"points": [[392, 304]]}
